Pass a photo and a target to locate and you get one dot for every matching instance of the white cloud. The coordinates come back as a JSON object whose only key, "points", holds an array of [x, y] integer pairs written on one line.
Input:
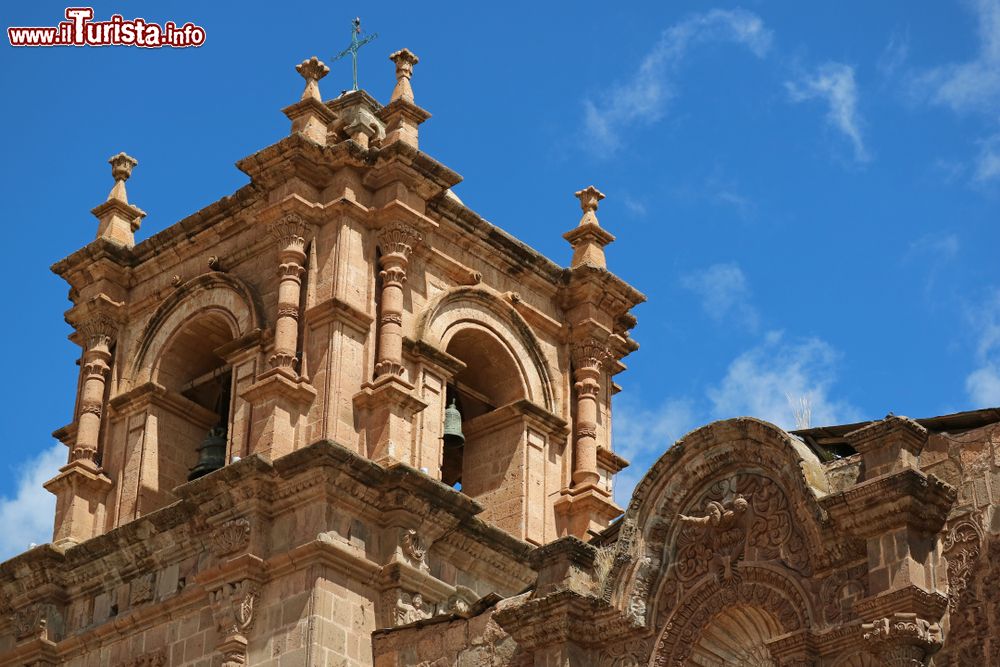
{"points": [[761, 381], [972, 85], [834, 84], [641, 435], [724, 294], [28, 515], [987, 165], [635, 206], [644, 97], [895, 54], [983, 383]]}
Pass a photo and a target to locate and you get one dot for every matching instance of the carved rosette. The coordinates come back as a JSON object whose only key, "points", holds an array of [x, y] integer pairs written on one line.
{"points": [[398, 238], [231, 536]]}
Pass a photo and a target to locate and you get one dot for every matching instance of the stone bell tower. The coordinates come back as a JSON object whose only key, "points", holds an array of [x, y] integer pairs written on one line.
{"points": [[262, 398]]}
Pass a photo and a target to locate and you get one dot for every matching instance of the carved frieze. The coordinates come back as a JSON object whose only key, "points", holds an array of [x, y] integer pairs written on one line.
{"points": [[150, 659]]}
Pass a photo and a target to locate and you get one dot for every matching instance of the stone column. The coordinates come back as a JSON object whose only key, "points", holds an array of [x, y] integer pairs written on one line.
{"points": [[290, 233], [404, 60], [588, 358], [98, 333], [396, 241]]}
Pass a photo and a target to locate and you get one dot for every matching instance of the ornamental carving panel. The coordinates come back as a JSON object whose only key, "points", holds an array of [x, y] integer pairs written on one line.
{"points": [[231, 536], [961, 548], [745, 516]]}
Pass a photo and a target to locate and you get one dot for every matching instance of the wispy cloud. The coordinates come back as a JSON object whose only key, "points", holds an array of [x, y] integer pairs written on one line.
{"points": [[27, 516], [760, 381], [643, 98], [634, 206], [987, 164], [833, 83], [974, 85], [983, 383], [931, 254], [894, 55], [724, 293]]}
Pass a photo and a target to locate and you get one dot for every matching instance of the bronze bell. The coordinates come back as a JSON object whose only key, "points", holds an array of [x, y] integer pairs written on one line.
{"points": [[211, 453], [453, 437]]}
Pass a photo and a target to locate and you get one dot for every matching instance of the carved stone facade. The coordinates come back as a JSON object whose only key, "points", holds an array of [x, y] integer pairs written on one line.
{"points": [[258, 471]]}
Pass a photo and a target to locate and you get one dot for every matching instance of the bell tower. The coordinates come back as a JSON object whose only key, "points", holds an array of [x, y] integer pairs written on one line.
{"points": [[346, 294]]}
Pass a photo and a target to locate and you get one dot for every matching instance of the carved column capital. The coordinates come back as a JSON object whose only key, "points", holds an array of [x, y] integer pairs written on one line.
{"points": [[902, 639], [398, 238], [99, 331], [290, 231], [589, 353]]}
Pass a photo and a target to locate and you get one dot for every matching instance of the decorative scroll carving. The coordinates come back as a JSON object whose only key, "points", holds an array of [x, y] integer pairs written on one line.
{"points": [[413, 547], [840, 591], [961, 548], [714, 541], [231, 536]]}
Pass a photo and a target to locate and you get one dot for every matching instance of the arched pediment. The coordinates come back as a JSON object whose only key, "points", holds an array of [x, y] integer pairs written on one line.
{"points": [[730, 496], [223, 295], [463, 307]]}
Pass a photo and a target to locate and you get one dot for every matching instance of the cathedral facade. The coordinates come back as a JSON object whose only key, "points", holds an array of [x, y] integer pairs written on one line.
{"points": [[339, 419]]}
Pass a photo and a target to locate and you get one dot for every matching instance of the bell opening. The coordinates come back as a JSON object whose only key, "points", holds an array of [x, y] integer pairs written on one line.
{"points": [[212, 391]]}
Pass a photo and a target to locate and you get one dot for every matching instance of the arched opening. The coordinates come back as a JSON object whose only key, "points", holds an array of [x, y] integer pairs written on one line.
{"points": [[736, 637], [490, 380], [192, 436]]}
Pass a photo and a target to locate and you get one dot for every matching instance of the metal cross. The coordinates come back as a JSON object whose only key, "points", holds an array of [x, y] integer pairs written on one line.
{"points": [[356, 44]]}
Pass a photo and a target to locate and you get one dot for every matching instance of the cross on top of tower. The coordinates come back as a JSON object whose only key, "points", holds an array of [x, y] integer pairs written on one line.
{"points": [[356, 44]]}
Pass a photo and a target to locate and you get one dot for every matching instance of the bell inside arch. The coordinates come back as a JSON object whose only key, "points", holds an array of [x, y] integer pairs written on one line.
{"points": [[453, 436], [211, 453]]}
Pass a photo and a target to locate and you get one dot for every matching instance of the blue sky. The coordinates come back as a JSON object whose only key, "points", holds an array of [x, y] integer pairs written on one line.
{"points": [[808, 195]]}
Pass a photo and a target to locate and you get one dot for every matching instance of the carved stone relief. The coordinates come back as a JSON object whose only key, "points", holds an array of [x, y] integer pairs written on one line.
{"points": [[231, 536], [961, 548], [151, 659], [411, 608]]}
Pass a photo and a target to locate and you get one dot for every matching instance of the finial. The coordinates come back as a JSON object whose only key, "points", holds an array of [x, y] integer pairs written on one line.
{"points": [[588, 239], [589, 197], [405, 60], [119, 219], [312, 71], [121, 169]]}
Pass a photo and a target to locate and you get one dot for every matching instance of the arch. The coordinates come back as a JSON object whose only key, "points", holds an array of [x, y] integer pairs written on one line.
{"points": [[743, 460], [736, 637], [778, 605], [218, 293], [467, 306]]}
